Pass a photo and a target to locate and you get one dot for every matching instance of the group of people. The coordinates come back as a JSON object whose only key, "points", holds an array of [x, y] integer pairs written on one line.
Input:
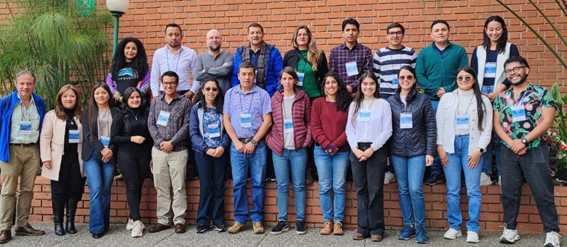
{"points": [[252, 107]]}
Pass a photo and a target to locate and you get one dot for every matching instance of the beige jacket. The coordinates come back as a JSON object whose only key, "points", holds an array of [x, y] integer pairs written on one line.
{"points": [[51, 144]]}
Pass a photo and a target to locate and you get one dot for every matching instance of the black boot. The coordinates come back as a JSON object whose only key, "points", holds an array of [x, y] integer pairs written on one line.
{"points": [[58, 207], [71, 210]]}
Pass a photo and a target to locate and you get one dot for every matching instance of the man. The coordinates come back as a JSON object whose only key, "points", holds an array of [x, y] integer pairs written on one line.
{"points": [[387, 63], [168, 123], [173, 57], [522, 114], [436, 68], [215, 64], [350, 59], [22, 114], [265, 58], [247, 118]]}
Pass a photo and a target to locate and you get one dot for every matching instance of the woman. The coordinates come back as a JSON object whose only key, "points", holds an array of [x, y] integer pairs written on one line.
{"points": [[412, 147], [129, 68], [209, 141], [331, 151], [60, 150], [368, 128], [488, 60], [464, 127], [100, 127], [288, 139], [134, 153]]}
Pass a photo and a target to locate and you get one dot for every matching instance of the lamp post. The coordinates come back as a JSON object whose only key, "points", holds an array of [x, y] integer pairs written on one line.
{"points": [[117, 8]]}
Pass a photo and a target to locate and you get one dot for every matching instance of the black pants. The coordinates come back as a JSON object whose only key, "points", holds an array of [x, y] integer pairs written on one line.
{"points": [[211, 196], [368, 179], [134, 165], [70, 186]]}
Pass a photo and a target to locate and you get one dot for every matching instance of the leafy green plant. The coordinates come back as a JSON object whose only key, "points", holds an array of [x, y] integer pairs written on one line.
{"points": [[49, 38]]}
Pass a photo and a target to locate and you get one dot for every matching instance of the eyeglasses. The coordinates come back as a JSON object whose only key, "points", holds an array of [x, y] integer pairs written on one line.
{"points": [[409, 77], [208, 89], [514, 70], [398, 33], [465, 78]]}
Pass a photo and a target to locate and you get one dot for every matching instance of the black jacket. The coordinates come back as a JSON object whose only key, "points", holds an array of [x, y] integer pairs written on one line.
{"points": [[421, 138], [91, 143], [291, 59]]}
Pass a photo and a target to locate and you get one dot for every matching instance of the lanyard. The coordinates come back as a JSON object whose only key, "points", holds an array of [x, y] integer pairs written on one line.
{"points": [[283, 103], [178, 58], [249, 105], [459, 102]]}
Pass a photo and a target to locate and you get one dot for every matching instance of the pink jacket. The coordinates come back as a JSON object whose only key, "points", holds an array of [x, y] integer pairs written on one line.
{"points": [[301, 117]]}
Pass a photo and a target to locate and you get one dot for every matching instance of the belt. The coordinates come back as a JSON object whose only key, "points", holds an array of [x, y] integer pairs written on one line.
{"points": [[24, 145], [245, 140]]}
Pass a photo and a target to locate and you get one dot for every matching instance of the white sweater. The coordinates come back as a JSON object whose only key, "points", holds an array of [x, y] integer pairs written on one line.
{"points": [[377, 130]]}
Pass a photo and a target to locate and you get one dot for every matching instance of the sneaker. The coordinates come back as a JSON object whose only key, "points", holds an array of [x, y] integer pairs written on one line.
{"points": [[435, 179], [452, 234], [421, 236], [202, 228], [282, 226], [338, 228], [236, 228], [407, 232], [552, 239], [389, 177], [485, 179], [509, 236], [258, 227], [137, 229], [327, 228], [219, 228], [500, 180], [472, 237], [130, 224], [300, 227]]}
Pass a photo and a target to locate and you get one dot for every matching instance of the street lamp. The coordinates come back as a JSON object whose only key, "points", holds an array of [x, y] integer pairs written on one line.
{"points": [[117, 8]]}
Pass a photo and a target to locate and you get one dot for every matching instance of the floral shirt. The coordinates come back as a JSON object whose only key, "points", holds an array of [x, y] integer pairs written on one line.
{"points": [[211, 128], [520, 118]]}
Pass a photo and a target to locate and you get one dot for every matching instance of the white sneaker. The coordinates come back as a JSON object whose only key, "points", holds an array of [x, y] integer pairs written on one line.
{"points": [[500, 180], [472, 237], [130, 224], [552, 239], [485, 179], [452, 234], [509, 236], [389, 177], [137, 229]]}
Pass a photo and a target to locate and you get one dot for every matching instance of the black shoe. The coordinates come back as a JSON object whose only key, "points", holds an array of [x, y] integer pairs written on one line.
{"points": [[71, 210], [219, 228], [282, 226], [300, 227], [202, 228], [435, 179], [97, 236], [59, 230]]}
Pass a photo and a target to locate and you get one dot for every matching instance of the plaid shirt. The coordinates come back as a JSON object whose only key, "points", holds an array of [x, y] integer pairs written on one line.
{"points": [[341, 55], [177, 129]]}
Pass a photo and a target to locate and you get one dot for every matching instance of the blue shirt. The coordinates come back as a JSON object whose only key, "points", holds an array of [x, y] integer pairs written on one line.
{"points": [[256, 102]]}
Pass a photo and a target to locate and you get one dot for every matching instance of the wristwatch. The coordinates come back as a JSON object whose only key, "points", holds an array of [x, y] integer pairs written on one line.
{"points": [[524, 141], [254, 142]]}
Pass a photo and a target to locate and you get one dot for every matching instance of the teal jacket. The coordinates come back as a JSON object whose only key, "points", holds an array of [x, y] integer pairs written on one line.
{"points": [[435, 69]]}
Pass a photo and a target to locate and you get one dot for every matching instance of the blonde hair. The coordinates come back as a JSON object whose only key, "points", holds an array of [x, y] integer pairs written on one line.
{"points": [[313, 53]]}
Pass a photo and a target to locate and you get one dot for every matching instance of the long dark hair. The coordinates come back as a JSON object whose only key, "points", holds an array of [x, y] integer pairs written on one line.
{"points": [[219, 100], [477, 94], [92, 107], [139, 63], [343, 98], [127, 111], [359, 97], [414, 87], [501, 46]]}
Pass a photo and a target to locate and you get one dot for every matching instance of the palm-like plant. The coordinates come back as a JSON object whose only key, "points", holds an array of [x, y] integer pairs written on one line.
{"points": [[53, 41]]}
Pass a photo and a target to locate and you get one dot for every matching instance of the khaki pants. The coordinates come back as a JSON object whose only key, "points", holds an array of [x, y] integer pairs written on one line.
{"points": [[24, 164], [169, 171]]}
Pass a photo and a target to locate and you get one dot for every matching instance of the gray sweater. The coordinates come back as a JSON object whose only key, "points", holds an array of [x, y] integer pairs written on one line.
{"points": [[209, 68]]}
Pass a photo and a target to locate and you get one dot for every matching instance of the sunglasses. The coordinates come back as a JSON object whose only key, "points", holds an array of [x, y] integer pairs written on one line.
{"points": [[464, 78], [409, 77], [208, 89]]}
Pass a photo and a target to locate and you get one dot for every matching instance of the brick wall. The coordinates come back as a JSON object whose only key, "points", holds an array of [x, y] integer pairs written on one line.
{"points": [[435, 206]]}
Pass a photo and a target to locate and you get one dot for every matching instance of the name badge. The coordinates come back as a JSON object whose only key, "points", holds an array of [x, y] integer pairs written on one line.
{"points": [[288, 126], [364, 115], [163, 118], [487, 89], [490, 70], [395, 81], [518, 113], [351, 68], [105, 140], [213, 130], [462, 122], [246, 120], [74, 136], [300, 77], [25, 128], [406, 121]]}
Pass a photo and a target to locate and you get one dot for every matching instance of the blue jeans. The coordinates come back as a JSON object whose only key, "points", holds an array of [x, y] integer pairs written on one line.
{"points": [[294, 161], [409, 177], [211, 194], [99, 180], [494, 147], [332, 170], [458, 162], [241, 163], [436, 166]]}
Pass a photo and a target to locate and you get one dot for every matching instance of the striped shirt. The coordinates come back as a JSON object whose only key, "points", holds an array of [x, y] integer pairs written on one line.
{"points": [[386, 64]]}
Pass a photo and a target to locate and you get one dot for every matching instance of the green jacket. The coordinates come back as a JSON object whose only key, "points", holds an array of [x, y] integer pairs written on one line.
{"points": [[434, 70]]}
